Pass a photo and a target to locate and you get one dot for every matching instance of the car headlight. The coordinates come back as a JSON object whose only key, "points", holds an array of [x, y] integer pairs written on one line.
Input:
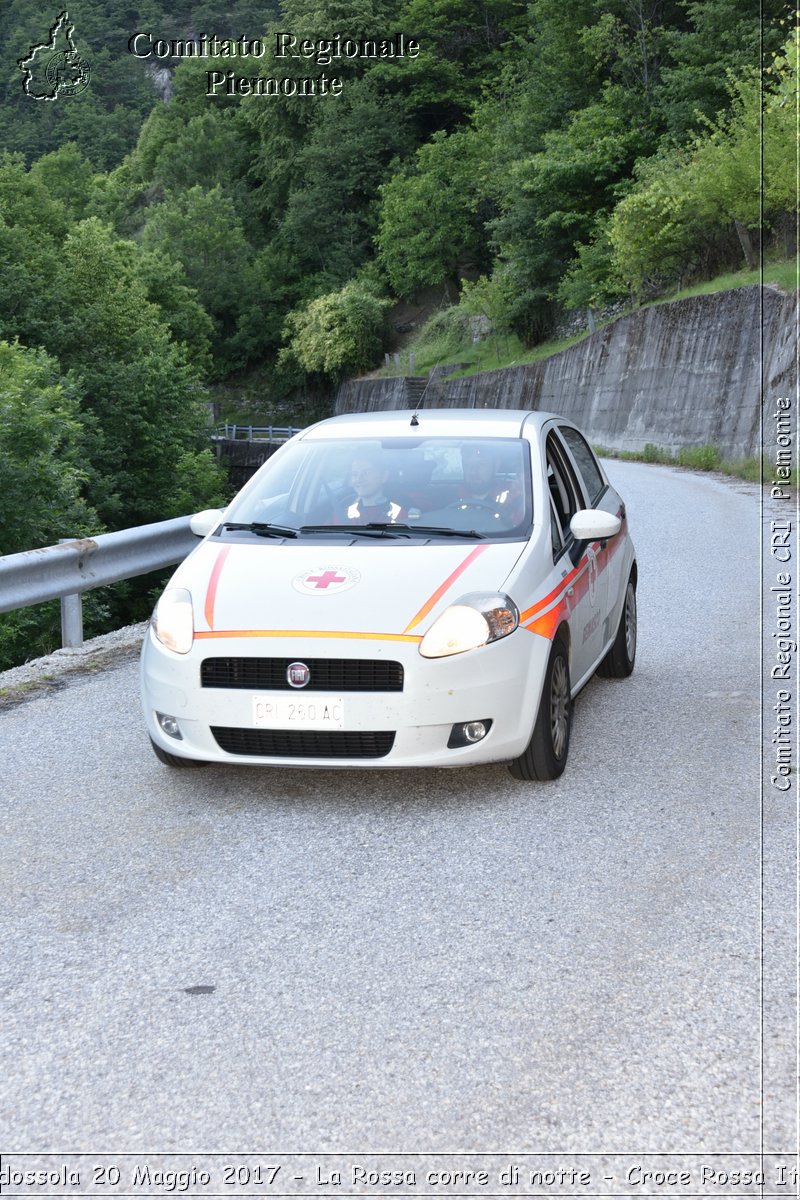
{"points": [[173, 622], [472, 621]]}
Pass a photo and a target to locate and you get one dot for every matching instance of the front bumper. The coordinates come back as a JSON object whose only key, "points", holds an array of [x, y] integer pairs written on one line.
{"points": [[501, 682]]}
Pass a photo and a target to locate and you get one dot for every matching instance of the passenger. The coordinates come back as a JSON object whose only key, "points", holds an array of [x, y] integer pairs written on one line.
{"points": [[368, 478]]}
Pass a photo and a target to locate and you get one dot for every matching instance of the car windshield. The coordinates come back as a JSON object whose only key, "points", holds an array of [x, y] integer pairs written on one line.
{"points": [[393, 487]]}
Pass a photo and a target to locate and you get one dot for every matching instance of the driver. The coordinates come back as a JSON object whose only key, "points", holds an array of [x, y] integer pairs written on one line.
{"points": [[481, 483], [368, 479]]}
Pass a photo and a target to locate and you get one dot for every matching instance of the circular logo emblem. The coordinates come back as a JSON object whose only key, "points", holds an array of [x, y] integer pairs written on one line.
{"points": [[324, 581], [67, 73], [297, 675], [592, 557]]}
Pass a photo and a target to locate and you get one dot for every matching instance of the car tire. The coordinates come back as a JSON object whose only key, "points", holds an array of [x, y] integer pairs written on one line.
{"points": [[619, 661], [547, 751], [172, 760]]}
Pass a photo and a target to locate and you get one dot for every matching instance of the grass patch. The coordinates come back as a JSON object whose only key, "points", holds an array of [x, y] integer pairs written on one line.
{"points": [[782, 272], [702, 458], [487, 360], [30, 689], [445, 338], [69, 667], [444, 341]]}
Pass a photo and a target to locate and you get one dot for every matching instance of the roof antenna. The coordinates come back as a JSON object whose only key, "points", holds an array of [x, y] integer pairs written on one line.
{"points": [[418, 406]]}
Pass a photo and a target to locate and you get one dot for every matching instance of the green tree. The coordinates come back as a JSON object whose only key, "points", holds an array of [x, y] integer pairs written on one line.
{"points": [[590, 281], [167, 286], [490, 298], [545, 75], [429, 232], [189, 141], [268, 291], [331, 212], [340, 333], [556, 197], [145, 405], [714, 188], [461, 43], [281, 127], [65, 176], [201, 230], [41, 440], [41, 444], [779, 131], [718, 37]]}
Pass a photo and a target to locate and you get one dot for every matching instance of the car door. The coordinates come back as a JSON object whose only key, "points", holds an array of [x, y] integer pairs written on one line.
{"points": [[587, 597], [600, 495]]}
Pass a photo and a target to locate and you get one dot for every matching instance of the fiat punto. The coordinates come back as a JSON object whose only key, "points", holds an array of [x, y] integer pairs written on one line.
{"points": [[397, 589]]}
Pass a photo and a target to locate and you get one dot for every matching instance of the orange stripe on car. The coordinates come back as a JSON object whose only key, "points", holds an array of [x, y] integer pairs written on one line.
{"points": [[211, 594], [550, 597], [308, 633], [448, 583], [548, 623]]}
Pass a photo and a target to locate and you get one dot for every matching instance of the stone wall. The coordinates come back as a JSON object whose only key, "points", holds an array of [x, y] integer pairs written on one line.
{"points": [[682, 374]]}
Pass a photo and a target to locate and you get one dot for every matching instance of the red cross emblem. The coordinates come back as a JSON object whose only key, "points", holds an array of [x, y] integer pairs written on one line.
{"points": [[326, 579]]}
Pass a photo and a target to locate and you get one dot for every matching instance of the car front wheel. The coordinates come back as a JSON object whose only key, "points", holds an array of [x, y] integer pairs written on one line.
{"points": [[546, 753]]}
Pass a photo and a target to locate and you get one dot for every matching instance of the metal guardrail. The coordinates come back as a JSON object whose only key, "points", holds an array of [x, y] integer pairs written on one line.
{"points": [[256, 433], [67, 570]]}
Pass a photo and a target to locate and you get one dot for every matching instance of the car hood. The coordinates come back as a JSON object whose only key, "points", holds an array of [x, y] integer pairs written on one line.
{"points": [[373, 589]]}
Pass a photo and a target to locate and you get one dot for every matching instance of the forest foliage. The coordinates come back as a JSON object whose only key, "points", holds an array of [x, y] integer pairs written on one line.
{"points": [[156, 241]]}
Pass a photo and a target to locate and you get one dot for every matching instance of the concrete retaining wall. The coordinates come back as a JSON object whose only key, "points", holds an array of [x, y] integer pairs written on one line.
{"points": [[688, 373]]}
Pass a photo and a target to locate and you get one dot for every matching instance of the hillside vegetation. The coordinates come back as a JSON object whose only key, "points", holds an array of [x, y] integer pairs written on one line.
{"points": [[160, 244]]}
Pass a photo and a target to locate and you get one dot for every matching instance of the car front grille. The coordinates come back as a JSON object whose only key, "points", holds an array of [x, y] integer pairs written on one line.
{"points": [[327, 674], [303, 743]]}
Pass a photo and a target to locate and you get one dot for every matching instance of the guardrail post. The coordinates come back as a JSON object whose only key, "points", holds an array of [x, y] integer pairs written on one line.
{"points": [[71, 617]]}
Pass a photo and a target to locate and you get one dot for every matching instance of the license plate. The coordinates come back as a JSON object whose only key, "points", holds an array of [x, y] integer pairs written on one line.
{"points": [[319, 712]]}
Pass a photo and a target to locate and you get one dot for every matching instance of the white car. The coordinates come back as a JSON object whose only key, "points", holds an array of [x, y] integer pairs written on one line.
{"points": [[397, 589]]}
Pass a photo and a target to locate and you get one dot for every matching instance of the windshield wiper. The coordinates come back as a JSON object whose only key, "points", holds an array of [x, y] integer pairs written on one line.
{"points": [[379, 529], [373, 531], [262, 528], [445, 531]]}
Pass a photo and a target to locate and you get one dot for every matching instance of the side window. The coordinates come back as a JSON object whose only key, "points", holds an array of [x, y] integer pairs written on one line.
{"points": [[587, 463], [555, 530], [564, 492]]}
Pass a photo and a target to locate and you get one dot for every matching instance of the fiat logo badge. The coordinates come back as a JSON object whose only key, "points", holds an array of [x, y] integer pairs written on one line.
{"points": [[297, 675]]}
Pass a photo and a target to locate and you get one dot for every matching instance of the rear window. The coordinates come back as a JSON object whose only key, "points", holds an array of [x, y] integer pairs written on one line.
{"points": [[586, 462]]}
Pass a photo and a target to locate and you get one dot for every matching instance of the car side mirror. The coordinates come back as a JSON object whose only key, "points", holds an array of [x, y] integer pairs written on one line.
{"points": [[203, 522], [593, 524]]}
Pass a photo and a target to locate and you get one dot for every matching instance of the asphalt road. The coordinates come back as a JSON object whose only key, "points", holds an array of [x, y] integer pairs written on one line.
{"points": [[237, 958]]}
